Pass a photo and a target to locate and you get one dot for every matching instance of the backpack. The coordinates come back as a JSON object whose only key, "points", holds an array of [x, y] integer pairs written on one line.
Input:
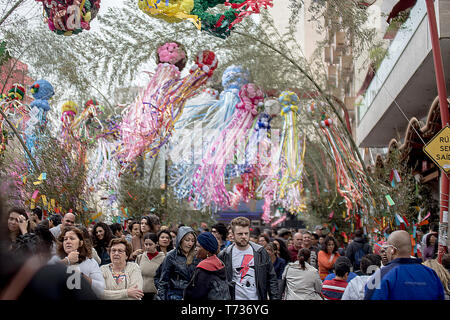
{"points": [[359, 254], [219, 290]]}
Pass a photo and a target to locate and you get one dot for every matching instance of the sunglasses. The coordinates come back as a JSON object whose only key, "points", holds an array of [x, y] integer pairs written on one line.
{"points": [[385, 247]]}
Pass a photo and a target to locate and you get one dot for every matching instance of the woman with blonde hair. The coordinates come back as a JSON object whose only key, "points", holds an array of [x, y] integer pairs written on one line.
{"points": [[442, 273]]}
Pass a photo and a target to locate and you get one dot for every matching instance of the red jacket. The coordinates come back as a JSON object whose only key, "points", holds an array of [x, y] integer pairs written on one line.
{"points": [[294, 253]]}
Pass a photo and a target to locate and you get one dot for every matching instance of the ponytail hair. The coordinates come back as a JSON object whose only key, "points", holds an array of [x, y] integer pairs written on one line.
{"points": [[303, 256]]}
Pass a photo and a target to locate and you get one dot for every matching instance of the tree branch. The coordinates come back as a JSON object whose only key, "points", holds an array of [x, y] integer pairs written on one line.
{"points": [[14, 7], [318, 89], [21, 141]]}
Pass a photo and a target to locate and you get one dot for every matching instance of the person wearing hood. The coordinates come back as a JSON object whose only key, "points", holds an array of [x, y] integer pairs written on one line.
{"points": [[178, 267], [210, 280], [357, 249]]}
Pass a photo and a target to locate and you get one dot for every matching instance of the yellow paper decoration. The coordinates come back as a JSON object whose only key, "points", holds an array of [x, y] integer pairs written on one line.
{"points": [[44, 200], [174, 12]]}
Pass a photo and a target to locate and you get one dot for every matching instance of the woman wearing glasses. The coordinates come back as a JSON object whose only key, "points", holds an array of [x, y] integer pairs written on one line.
{"points": [[123, 279]]}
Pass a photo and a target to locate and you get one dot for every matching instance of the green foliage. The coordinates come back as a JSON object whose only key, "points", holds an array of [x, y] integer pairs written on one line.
{"points": [[94, 63], [408, 195], [377, 54], [65, 176], [344, 15], [138, 193], [295, 7], [4, 53], [323, 198]]}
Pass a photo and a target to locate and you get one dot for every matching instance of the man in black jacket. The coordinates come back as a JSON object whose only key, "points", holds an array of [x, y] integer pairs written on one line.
{"points": [[248, 266], [357, 249]]}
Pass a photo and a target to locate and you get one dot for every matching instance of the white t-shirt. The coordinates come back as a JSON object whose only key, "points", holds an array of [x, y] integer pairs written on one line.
{"points": [[244, 274]]}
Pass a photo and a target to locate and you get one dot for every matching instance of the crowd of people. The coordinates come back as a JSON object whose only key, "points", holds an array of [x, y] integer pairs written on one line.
{"points": [[56, 258]]}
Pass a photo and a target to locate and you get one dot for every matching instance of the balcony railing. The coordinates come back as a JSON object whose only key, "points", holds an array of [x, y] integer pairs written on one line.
{"points": [[395, 50]]}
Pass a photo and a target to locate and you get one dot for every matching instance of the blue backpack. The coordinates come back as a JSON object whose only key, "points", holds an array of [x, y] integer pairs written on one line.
{"points": [[359, 254]]}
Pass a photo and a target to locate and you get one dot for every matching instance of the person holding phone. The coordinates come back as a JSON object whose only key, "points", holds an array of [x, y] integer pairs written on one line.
{"points": [[18, 223]]}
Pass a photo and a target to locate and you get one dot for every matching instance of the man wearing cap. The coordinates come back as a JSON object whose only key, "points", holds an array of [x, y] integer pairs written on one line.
{"points": [[284, 234], [318, 230], [210, 280]]}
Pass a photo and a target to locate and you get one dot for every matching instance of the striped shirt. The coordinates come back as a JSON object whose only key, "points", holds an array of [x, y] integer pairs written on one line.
{"points": [[333, 289]]}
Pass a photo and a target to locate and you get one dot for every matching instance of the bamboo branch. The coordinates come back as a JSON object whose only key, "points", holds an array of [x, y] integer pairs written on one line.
{"points": [[326, 97], [14, 7], [21, 141]]}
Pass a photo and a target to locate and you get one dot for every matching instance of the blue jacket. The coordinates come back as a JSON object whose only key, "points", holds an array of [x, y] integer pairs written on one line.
{"points": [[351, 275], [404, 279], [279, 266]]}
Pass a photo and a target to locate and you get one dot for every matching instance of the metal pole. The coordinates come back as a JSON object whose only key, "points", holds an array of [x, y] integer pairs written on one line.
{"points": [[443, 105]]}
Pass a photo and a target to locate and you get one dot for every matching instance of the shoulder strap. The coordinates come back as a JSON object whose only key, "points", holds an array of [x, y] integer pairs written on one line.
{"points": [[21, 279]]}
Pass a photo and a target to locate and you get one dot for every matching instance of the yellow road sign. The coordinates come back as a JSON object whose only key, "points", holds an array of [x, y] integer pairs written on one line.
{"points": [[438, 149]]}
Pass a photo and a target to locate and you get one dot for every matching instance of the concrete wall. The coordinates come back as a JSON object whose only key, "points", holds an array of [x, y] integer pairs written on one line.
{"points": [[399, 76], [306, 33]]}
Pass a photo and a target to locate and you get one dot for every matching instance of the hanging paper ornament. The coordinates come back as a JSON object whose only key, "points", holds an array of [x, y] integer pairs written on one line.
{"points": [[291, 156], [16, 112], [41, 91], [196, 11], [68, 113], [256, 149], [209, 180], [351, 180], [17, 92], [136, 123], [267, 156], [394, 177], [389, 200], [197, 129], [326, 123], [68, 17], [163, 109], [88, 124]]}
